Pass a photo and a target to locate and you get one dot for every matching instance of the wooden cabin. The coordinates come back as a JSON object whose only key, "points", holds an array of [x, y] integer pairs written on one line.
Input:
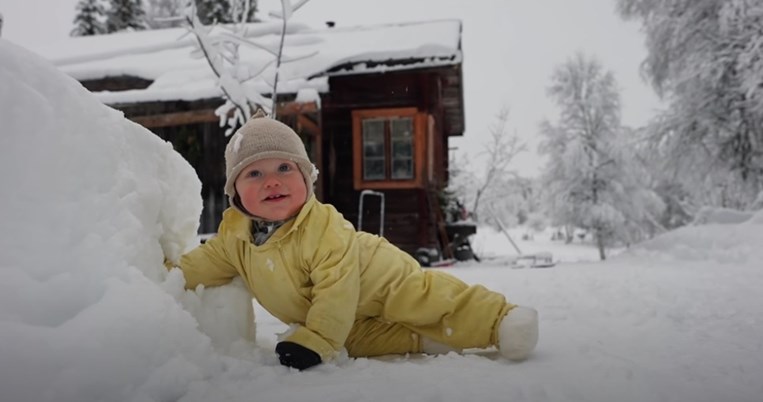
{"points": [[385, 101]]}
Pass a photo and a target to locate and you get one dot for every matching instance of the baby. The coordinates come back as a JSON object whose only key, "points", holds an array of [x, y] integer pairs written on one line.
{"points": [[335, 286]]}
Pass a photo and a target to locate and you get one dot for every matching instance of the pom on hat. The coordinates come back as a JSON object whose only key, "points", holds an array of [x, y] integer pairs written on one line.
{"points": [[260, 138]]}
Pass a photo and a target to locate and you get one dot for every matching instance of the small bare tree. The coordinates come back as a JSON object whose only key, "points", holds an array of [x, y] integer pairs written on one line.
{"points": [[222, 54], [287, 9], [500, 151]]}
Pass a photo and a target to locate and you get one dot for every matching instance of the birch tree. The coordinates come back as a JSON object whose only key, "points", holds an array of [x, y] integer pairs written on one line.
{"points": [[588, 179]]}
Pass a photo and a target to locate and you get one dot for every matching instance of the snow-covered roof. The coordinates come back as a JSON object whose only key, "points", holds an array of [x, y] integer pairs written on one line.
{"points": [[166, 57]]}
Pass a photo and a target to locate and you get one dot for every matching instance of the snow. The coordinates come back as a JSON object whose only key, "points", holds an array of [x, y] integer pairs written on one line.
{"points": [[720, 216], [91, 202]]}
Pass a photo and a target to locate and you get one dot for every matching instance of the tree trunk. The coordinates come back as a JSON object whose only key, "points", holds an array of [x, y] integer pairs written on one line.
{"points": [[475, 214], [569, 234], [600, 244]]}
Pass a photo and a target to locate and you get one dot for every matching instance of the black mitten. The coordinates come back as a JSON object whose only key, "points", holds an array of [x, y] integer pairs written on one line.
{"points": [[295, 355]]}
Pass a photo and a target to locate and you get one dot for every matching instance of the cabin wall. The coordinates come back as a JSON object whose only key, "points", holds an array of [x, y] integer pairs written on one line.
{"points": [[409, 221]]}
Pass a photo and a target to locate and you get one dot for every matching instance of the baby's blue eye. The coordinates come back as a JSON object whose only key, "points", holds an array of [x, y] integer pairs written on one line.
{"points": [[254, 173], [284, 167]]}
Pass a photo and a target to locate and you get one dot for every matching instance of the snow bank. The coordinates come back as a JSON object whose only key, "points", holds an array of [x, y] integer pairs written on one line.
{"points": [[723, 242], [727, 216], [91, 204]]}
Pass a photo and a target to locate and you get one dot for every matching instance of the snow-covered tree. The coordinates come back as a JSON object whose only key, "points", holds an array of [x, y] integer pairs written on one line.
{"points": [[125, 15], [89, 19], [671, 184], [460, 189], [705, 57], [514, 200], [163, 13], [590, 180], [246, 8], [213, 11]]}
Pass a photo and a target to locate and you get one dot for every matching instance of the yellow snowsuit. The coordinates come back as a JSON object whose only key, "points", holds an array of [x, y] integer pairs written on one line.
{"points": [[345, 288]]}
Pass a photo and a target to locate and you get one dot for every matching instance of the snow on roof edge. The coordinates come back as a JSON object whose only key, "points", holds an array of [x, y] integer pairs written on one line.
{"points": [[352, 50]]}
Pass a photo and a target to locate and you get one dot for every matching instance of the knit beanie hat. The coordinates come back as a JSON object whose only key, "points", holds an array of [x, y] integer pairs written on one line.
{"points": [[260, 138]]}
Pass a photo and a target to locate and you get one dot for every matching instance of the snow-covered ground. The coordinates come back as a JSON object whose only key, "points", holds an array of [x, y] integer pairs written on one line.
{"points": [[91, 202]]}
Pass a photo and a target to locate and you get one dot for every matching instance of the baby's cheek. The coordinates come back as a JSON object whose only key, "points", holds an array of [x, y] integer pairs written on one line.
{"points": [[248, 197]]}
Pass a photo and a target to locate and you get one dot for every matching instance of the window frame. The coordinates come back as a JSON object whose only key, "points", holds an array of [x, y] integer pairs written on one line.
{"points": [[419, 120]]}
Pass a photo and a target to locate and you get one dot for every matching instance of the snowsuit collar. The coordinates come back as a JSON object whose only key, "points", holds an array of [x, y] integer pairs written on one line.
{"points": [[240, 225]]}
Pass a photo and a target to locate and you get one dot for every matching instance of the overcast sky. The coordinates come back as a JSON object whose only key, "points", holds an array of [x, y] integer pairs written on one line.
{"points": [[510, 50]]}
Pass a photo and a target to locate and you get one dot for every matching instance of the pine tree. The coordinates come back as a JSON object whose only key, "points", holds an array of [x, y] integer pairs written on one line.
{"points": [[213, 11], [125, 15], [224, 11], [89, 18]]}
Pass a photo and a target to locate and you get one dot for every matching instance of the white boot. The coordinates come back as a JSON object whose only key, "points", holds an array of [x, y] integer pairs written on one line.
{"points": [[518, 333]]}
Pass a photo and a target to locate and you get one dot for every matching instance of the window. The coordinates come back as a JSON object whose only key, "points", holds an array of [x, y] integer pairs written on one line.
{"points": [[388, 148]]}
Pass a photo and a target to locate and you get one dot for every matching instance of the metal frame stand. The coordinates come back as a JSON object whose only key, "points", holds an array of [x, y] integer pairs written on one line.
{"points": [[363, 194]]}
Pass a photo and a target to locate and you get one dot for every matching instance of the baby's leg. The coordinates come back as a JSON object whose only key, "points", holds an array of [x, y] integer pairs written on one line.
{"points": [[371, 337], [444, 309]]}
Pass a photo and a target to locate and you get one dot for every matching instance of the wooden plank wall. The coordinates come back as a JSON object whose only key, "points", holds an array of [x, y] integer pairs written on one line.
{"points": [[407, 216]]}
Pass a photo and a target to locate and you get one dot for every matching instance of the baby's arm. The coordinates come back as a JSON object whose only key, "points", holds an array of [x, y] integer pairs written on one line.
{"points": [[333, 258], [207, 264]]}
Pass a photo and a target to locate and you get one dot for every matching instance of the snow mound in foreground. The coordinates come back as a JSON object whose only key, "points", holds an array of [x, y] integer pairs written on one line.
{"points": [[724, 242], [91, 204]]}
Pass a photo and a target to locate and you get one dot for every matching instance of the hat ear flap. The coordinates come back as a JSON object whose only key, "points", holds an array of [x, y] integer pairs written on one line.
{"points": [[236, 203]]}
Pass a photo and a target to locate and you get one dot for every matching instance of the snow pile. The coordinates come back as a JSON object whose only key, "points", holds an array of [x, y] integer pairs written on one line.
{"points": [[91, 203], [720, 242], [728, 216]]}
